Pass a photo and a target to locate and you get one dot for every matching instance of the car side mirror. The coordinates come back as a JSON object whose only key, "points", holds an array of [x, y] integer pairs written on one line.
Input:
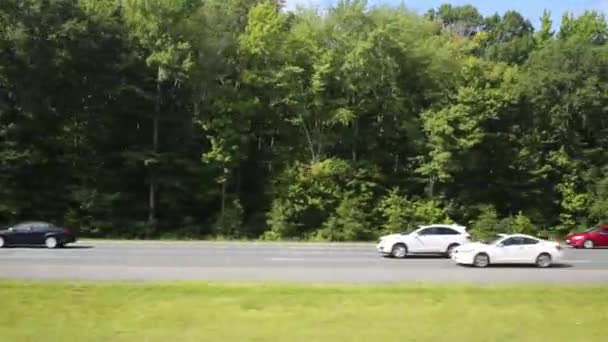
{"points": [[10, 229]]}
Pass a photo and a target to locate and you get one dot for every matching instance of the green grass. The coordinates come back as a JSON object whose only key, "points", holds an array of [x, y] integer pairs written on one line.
{"points": [[49, 311]]}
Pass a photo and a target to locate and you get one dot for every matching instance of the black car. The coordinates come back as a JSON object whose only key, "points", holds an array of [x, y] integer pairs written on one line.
{"points": [[36, 233]]}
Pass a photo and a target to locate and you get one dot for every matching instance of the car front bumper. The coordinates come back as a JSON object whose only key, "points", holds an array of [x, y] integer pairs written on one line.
{"points": [[463, 258], [383, 248], [575, 242]]}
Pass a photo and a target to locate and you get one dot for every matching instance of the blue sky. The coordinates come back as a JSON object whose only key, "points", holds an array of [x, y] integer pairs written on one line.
{"points": [[531, 9]]}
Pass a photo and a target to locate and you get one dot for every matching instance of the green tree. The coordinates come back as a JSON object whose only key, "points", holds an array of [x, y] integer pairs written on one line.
{"points": [[462, 20], [156, 25]]}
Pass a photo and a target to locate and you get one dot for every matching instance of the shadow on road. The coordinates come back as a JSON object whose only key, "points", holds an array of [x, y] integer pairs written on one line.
{"points": [[424, 256], [418, 256], [525, 266], [44, 247]]}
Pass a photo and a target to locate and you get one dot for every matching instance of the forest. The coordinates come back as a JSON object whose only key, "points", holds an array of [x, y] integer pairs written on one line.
{"points": [[240, 119]]}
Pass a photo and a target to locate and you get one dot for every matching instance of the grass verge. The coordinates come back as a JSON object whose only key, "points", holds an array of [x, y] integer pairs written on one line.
{"points": [[55, 311]]}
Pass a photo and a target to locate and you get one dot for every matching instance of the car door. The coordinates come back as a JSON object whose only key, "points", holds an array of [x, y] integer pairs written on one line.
{"points": [[602, 237], [509, 250], [38, 233], [448, 237], [22, 234], [429, 240], [530, 250]]}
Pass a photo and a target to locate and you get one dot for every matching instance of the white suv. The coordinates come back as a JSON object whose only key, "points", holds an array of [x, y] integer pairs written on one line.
{"points": [[432, 239]]}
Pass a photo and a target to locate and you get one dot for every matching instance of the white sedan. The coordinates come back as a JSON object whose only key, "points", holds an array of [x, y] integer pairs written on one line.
{"points": [[509, 249]]}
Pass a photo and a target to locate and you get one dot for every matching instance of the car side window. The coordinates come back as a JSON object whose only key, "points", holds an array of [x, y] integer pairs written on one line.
{"points": [[22, 228], [428, 231], [40, 227], [511, 242], [604, 231], [528, 241], [447, 231]]}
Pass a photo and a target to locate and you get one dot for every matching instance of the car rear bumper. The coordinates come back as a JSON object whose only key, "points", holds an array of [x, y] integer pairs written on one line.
{"points": [[69, 239]]}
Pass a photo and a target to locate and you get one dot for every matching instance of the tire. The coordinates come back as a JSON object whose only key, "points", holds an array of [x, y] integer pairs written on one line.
{"points": [[543, 260], [450, 250], [51, 242], [588, 244], [399, 251], [481, 260], [2, 242]]}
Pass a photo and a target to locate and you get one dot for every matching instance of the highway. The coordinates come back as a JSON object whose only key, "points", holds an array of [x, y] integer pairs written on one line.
{"points": [[283, 262]]}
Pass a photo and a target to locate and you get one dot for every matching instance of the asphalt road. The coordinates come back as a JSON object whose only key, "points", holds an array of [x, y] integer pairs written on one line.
{"points": [[284, 262]]}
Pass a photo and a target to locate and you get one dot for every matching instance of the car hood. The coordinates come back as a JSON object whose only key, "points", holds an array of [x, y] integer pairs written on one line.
{"points": [[576, 235]]}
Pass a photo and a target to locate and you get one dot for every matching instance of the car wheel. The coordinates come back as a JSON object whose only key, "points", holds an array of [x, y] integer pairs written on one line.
{"points": [[588, 244], [450, 250], [51, 242], [543, 260], [399, 251], [481, 260], [2, 242]]}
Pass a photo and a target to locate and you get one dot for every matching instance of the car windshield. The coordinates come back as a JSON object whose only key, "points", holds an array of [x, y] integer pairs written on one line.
{"points": [[591, 229], [410, 230], [493, 240]]}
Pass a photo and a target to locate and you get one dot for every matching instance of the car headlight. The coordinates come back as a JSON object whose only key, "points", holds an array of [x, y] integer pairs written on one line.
{"points": [[577, 238]]}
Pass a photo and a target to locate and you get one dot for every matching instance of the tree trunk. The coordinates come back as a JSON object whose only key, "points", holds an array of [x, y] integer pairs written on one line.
{"points": [[431, 187], [311, 145], [155, 128], [355, 137], [396, 166], [223, 205]]}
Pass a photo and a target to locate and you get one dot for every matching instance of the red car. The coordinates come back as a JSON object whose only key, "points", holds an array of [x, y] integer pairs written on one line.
{"points": [[590, 238]]}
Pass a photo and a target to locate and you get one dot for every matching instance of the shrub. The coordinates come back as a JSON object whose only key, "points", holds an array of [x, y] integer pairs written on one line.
{"points": [[599, 201], [313, 200], [402, 214], [349, 222], [229, 225], [521, 224], [486, 225]]}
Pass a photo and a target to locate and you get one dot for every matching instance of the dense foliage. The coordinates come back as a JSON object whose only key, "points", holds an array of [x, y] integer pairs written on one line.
{"points": [[239, 119]]}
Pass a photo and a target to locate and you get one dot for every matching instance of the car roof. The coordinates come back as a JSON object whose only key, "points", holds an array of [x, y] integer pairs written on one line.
{"points": [[30, 222], [445, 225], [519, 235]]}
